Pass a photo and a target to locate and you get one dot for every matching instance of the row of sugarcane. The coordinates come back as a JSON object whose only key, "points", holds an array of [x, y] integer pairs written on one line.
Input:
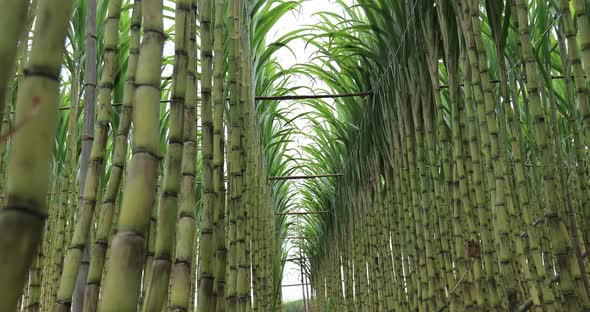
{"points": [[128, 232], [466, 185]]}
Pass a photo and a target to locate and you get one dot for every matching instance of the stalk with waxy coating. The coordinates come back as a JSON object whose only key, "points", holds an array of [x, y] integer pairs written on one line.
{"points": [[218, 156], [90, 73], [90, 51], [87, 202], [157, 288], [246, 101], [122, 281], [149, 256], [234, 162], [68, 185], [180, 283], [22, 219], [107, 209], [205, 299]]}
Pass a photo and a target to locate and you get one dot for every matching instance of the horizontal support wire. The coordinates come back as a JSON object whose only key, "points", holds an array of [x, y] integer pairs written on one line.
{"points": [[313, 96], [304, 177], [299, 237], [294, 259], [293, 285], [275, 98], [300, 213]]}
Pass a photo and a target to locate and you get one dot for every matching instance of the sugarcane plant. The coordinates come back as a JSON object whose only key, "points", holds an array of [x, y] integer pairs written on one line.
{"points": [[472, 142], [450, 172], [91, 235]]}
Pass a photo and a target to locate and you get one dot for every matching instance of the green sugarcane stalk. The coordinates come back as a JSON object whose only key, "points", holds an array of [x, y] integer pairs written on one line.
{"points": [[193, 276], [105, 221], [149, 256], [450, 41], [122, 281], [427, 264], [4, 147], [255, 212], [180, 284], [245, 106], [400, 191], [68, 185], [218, 156], [234, 154], [32, 298], [433, 144], [428, 161], [399, 299], [250, 149], [22, 219], [90, 84], [205, 299], [157, 288], [87, 203], [33, 294]]}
